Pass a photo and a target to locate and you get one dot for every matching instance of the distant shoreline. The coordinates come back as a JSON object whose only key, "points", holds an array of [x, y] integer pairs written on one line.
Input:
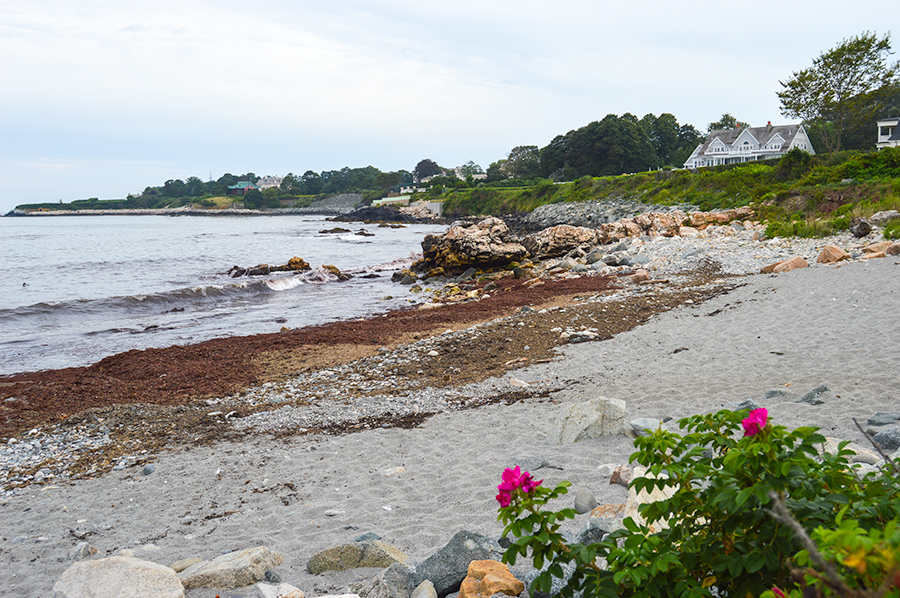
{"points": [[183, 211]]}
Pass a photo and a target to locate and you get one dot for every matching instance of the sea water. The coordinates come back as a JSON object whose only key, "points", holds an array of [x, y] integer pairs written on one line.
{"points": [[76, 289]]}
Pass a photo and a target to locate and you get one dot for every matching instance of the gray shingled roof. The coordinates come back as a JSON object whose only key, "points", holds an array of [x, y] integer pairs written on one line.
{"points": [[762, 135]]}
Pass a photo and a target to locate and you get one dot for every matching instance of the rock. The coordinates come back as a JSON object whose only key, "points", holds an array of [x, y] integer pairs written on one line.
{"points": [[893, 249], [607, 518], [394, 582], [485, 244], [748, 404], [860, 228], [334, 270], [589, 419], [424, 590], [558, 240], [448, 567], [282, 590], [640, 276], [635, 500], [584, 500], [81, 551], [148, 469], [775, 393], [883, 217], [888, 440], [832, 254], [644, 426], [792, 264], [370, 553], [297, 264], [621, 476], [814, 397], [118, 576], [488, 577], [232, 570], [593, 531], [884, 418], [183, 564], [880, 247]]}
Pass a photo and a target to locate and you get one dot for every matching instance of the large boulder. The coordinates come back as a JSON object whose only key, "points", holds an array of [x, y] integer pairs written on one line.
{"points": [[368, 553], [637, 499], [831, 254], [483, 245], [559, 240], [448, 567], [394, 582], [118, 576], [232, 570], [589, 419]]}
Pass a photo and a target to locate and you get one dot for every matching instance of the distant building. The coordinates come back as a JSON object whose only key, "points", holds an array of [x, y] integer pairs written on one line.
{"points": [[241, 187], [888, 133], [734, 146], [269, 181]]}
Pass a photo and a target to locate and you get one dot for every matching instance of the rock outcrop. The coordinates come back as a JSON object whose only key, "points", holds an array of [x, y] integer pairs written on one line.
{"points": [[483, 245]]}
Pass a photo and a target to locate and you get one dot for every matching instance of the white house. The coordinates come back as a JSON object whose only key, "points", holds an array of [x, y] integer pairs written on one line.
{"points": [[888, 133], [733, 146], [269, 181]]}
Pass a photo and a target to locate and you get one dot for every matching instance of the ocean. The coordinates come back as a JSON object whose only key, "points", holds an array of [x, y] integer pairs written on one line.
{"points": [[77, 289]]}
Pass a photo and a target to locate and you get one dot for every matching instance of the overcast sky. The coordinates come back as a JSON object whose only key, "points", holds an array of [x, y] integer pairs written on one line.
{"points": [[101, 98]]}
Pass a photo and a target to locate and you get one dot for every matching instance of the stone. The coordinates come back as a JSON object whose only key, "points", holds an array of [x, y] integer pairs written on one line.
{"points": [[637, 499], [883, 217], [621, 476], [859, 227], [888, 440], [394, 582], [589, 419], [607, 518], [298, 264], [775, 393], [832, 254], [688, 232], [183, 564], [488, 577], [81, 551], [593, 531], [884, 418], [282, 590], [447, 568], [893, 249], [232, 570], [584, 500], [880, 247], [118, 577], [791, 264], [369, 553], [424, 590], [148, 469], [640, 276], [559, 240], [644, 426], [485, 244], [748, 404], [814, 397]]}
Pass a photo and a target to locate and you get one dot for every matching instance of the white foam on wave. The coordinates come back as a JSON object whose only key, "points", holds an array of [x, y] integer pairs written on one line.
{"points": [[284, 284]]}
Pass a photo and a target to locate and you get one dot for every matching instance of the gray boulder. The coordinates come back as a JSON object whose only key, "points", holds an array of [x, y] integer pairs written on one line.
{"points": [[394, 582], [447, 568], [118, 576], [815, 396], [889, 439], [369, 553], [884, 418], [584, 501], [589, 419], [232, 570], [644, 426]]}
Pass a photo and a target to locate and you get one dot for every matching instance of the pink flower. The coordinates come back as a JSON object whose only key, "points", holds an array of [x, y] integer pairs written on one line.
{"points": [[755, 422], [514, 479], [778, 592]]}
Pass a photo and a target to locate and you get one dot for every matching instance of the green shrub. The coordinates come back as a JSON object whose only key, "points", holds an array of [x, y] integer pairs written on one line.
{"points": [[717, 531], [892, 230]]}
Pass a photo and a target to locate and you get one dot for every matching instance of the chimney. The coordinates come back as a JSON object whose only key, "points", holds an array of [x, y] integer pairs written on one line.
{"points": [[769, 124]]}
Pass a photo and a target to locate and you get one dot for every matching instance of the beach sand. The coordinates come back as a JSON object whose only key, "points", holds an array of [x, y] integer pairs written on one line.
{"points": [[824, 325]]}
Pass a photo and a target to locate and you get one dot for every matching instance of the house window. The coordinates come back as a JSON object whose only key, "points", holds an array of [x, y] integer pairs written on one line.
{"points": [[887, 131]]}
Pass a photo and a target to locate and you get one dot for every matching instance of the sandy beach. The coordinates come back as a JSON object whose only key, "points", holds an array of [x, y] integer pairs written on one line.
{"points": [[832, 325]]}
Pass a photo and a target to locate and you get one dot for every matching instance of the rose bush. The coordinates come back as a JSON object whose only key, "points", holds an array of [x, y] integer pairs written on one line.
{"points": [[721, 537]]}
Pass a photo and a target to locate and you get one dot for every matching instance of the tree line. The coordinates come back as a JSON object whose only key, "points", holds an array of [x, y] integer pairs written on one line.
{"points": [[838, 98]]}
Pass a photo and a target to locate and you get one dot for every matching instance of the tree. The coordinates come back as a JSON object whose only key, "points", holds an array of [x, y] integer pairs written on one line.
{"points": [[470, 168], [194, 186], [289, 182], [495, 171], [426, 168], [726, 122], [836, 93], [523, 162], [386, 180]]}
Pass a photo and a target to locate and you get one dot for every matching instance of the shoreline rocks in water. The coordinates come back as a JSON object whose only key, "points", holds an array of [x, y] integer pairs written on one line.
{"points": [[295, 264]]}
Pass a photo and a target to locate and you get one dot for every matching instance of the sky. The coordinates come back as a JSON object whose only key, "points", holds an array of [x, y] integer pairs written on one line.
{"points": [[102, 98]]}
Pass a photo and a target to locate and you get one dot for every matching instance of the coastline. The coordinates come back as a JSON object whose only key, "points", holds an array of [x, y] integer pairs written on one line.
{"points": [[415, 486]]}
